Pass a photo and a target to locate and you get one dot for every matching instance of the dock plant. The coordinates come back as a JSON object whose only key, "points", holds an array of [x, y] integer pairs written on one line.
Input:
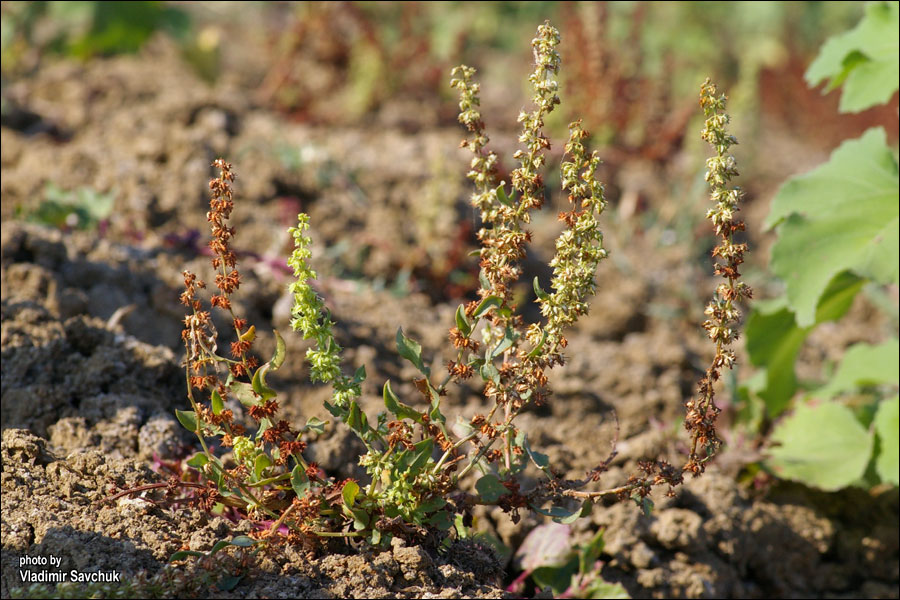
{"points": [[423, 476]]}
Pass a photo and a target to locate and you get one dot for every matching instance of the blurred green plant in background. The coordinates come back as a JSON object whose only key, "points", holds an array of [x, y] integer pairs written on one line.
{"points": [[84, 29], [83, 208], [837, 235]]}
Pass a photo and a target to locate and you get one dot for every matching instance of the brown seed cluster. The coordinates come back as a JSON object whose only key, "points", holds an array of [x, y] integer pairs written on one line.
{"points": [[722, 314]]}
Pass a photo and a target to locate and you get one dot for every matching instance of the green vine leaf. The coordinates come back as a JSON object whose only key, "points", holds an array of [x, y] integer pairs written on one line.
{"points": [[887, 426], [774, 338], [866, 59], [841, 216], [864, 364], [823, 446]]}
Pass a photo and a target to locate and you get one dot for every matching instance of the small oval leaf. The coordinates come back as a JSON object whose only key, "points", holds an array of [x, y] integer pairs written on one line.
{"points": [[218, 405], [188, 419]]}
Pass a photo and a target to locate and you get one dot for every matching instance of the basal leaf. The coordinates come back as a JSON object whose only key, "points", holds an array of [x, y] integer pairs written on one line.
{"points": [[841, 216], [351, 489], [887, 426], [824, 446], [242, 541], [546, 545]]}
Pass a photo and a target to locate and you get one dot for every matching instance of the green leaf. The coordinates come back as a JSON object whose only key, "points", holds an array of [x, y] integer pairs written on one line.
{"points": [[774, 338], [539, 346], [541, 461], [432, 504], [502, 197], [598, 588], [218, 405], [823, 446], [490, 489], [198, 460], [864, 364], [244, 392], [278, 357], [558, 579], [509, 338], [887, 426], [360, 518], [411, 350], [228, 583], [357, 420], [188, 419], [865, 59], [462, 532], [539, 291], [360, 375], [242, 541], [564, 515], [440, 520], [299, 481], [421, 454], [349, 493], [217, 547], [259, 384], [375, 537], [590, 552], [489, 372], [393, 404], [841, 216], [462, 323], [314, 425], [262, 463], [485, 305]]}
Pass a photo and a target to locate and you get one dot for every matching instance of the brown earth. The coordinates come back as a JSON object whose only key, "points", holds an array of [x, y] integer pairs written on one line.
{"points": [[91, 332]]}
